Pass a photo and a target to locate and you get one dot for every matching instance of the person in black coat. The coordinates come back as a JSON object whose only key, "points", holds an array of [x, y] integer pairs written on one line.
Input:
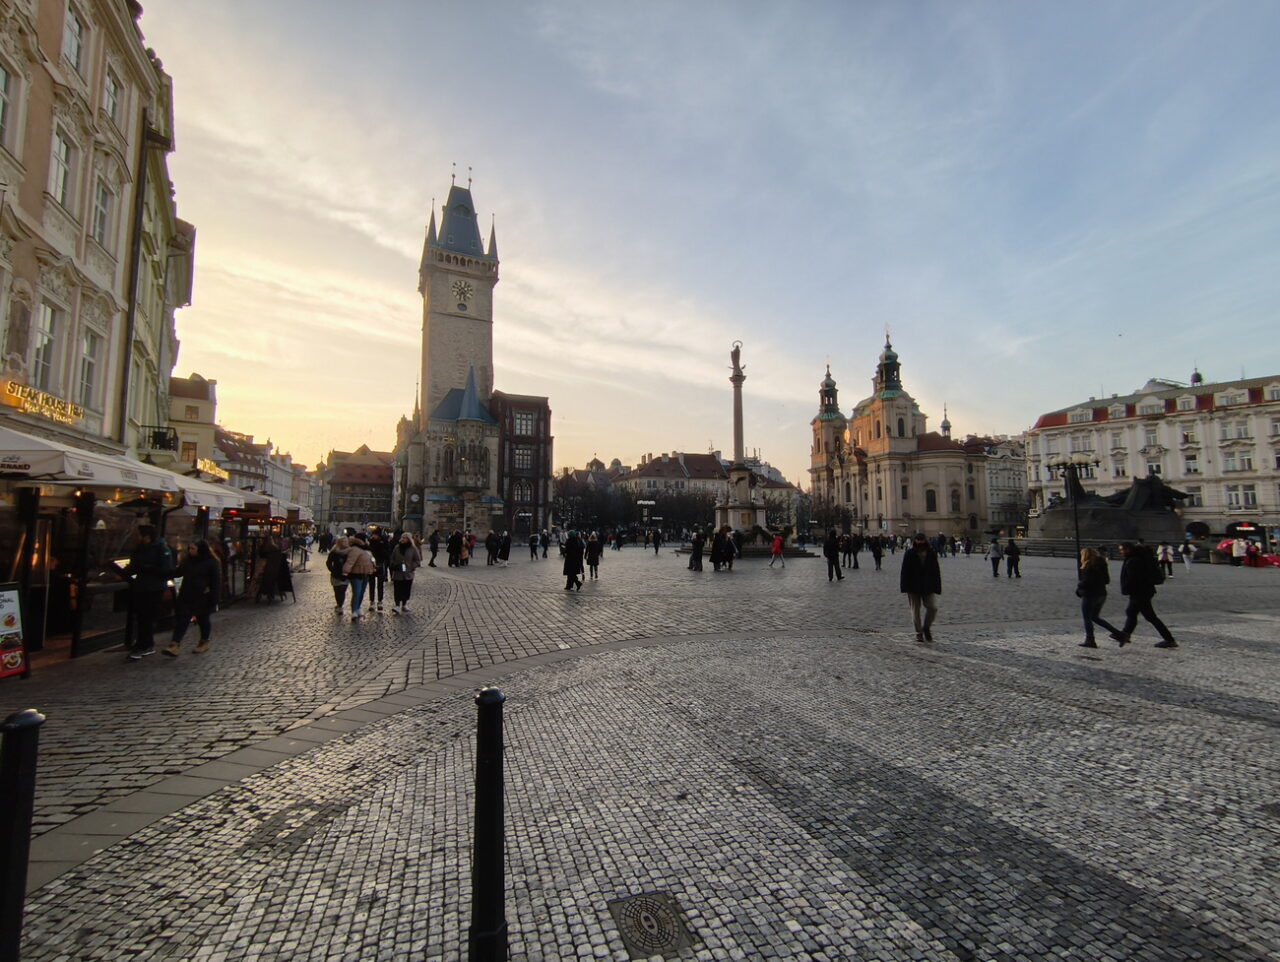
{"points": [[594, 548], [197, 598], [831, 551], [921, 582], [1138, 578], [149, 570], [1091, 589], [695, 551], [573, 552]]}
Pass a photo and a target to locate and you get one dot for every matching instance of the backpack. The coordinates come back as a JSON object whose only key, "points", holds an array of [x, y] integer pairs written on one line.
{"points": [[334, 563]]}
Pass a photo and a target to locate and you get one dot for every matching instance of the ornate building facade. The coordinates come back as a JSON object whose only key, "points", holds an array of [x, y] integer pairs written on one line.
{"points": [[884, 473], [1217, 443], [469, 457]]}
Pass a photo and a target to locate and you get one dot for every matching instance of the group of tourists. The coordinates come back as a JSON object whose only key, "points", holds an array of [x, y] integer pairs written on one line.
{"points": [[365, 563], [152, 571]]}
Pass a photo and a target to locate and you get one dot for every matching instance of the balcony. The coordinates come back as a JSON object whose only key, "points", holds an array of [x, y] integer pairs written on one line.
{"points": [[153, 437]]}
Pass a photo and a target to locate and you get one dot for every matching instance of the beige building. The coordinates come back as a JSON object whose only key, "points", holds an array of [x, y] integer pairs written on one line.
{"points": [[193, 418], [1217, 443], [93, 258], [881, 471]]}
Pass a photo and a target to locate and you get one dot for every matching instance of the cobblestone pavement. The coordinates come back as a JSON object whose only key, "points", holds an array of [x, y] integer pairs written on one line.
{"points": [[772, 749]]}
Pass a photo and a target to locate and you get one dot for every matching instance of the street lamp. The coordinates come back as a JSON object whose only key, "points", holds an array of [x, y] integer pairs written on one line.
{"points": [[1070, 466]]}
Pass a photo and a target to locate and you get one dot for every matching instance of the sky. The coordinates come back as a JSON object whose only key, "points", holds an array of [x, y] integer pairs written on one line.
{"points": [[1040, 202]]}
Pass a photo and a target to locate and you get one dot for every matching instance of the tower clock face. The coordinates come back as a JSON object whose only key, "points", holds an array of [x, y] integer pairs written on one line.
{"points": [[462, 292]]}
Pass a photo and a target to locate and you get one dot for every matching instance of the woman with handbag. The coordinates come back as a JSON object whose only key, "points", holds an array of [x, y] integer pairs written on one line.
{"points": [[1092, 592], [405, 559]]}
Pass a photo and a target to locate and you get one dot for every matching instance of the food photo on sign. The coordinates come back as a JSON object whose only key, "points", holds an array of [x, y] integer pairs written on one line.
{"points": [[13, 652]]}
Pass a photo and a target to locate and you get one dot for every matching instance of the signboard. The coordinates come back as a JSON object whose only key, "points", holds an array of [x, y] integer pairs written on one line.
{"points": [[211, 467], [26, 398], [13, 648]]}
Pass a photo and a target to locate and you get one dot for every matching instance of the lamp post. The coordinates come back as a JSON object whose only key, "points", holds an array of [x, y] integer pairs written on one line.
{"points": [[1070, 466]]}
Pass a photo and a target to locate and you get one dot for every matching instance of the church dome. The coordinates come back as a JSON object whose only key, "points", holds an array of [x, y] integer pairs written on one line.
{"points": [[828, 382]]}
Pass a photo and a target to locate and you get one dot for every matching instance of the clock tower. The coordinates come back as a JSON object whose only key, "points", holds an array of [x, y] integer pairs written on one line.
{"points": [[456, 279]]}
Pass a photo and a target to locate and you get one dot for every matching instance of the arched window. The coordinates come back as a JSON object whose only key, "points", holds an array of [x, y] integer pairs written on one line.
{"points": [[902, 428], [877, 430], [848, 492], [931, 500], [955, 501], [973, 522]]}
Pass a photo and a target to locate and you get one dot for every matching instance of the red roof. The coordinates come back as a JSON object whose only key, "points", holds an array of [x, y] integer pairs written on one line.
{"points": [[933, 441]]}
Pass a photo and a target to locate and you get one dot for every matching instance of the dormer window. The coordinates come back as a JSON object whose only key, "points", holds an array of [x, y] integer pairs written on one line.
{"points": [[1080, 416], [1116, 411], [1150, 407], [1227, 398], [1187, 403], [1273, 392]]}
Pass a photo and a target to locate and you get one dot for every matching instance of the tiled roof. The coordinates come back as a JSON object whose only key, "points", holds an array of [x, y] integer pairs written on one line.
{"points": [[933, 441]]}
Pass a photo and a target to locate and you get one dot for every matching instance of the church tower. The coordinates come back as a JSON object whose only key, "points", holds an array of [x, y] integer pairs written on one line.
{"points": [[456, 279]]}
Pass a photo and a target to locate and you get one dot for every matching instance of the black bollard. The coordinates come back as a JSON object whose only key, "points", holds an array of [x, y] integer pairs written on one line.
{"points": [[487, 935], [19, 740]]}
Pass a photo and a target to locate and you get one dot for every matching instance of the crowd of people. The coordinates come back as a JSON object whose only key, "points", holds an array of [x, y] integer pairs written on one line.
{"points": [[360, 564]]}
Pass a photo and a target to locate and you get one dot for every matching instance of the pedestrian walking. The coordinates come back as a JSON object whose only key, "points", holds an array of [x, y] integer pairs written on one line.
{"points": [[433, 543], [504, 549], [572, 569], [846, 550], [831, 551], [921, 582], [657, 540], [1013, 559], [776, 551], [545, 542], [695, 551], [1139, 576], [1188, 553], [338, 581], [595, 547], [381, 551], [404, 560], [533, 547], [491, 548], [150, 567], [877, 551], [994, 554], [1091, 589], [1164, 555], [358, 568], [197, 597], [855, 545]]}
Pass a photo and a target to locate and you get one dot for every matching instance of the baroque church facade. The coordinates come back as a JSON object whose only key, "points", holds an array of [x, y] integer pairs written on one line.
{"points": [[469, 457], [885, 473]]}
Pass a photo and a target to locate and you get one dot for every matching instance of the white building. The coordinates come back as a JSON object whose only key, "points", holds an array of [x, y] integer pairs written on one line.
{"points": [[1217, 443]]}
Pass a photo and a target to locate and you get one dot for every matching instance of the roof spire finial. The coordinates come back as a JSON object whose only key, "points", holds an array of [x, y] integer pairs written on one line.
{"points": [[886, 336], [453, 176], [468, 177]]}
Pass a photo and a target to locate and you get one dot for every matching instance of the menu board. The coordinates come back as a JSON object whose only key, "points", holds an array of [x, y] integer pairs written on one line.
{"points": [[13, 650]]}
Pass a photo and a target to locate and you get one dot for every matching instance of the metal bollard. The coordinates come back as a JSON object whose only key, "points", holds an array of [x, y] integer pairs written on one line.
{"points": [[487, 934], [19, 741]]}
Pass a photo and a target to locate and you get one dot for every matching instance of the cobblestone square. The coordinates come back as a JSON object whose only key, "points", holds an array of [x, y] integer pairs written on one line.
{"points": [[774, 751]]}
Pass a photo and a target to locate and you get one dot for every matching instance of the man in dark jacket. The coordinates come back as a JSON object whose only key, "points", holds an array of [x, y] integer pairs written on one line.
{"points": [[150, 567], [434, 544], [1138, 578], [831, 551], [573, 552], [380, 548], [921, 582]]}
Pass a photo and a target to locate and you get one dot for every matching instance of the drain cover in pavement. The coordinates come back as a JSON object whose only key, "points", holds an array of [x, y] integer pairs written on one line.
{"points": [[650, 924]]}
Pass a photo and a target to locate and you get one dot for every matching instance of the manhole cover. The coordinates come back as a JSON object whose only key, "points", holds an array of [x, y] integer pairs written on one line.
{"points": [[650, 924]]}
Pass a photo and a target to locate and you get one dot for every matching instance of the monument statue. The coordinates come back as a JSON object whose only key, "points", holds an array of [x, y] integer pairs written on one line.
{"points": [[739, 510], [1145, 510]]}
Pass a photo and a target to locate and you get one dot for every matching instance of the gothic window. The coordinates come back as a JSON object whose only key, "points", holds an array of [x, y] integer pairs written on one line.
{"points": [[523, 458], [524, 423], [931, 500], [484, 464], [448, 463]]}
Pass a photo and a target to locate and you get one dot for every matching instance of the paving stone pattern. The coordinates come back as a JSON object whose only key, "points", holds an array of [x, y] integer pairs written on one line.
{"points": [[805, 780]]}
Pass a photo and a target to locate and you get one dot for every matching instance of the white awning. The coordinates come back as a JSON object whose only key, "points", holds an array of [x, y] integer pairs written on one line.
{"points": [[36, 459], [204, 494]]}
